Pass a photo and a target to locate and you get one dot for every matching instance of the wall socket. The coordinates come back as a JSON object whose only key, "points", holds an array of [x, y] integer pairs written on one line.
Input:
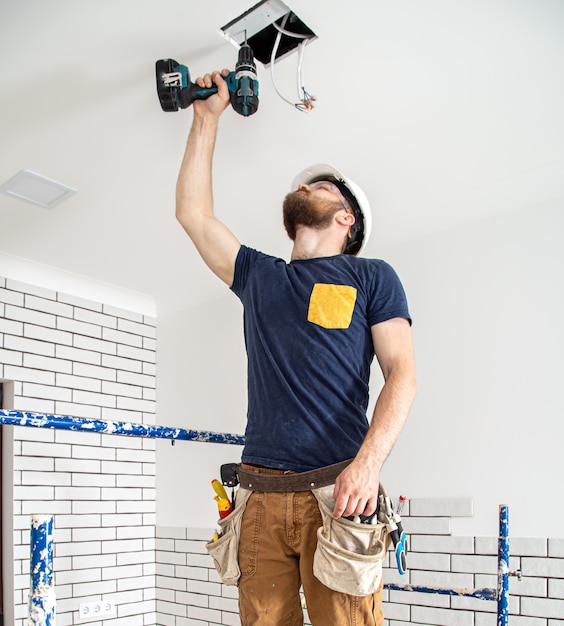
{"points": [[89, 610]]}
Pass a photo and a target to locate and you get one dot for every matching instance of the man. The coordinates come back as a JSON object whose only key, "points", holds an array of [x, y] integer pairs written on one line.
{"points": [[312, 327]]}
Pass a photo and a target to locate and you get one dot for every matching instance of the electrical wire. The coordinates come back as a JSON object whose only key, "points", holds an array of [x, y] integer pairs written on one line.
{"points": [[280, 29], [305, 100], [300, 75]]}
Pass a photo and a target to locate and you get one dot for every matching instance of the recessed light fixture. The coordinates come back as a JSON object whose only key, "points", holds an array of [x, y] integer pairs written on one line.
{"points": [[32, 187]]}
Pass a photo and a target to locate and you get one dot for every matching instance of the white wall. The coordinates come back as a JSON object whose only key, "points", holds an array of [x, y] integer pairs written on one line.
{"points": [[202, 386], [485, 300]]}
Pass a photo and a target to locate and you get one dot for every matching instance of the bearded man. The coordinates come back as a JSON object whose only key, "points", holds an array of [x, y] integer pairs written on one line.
{"points": [[312, 328]]}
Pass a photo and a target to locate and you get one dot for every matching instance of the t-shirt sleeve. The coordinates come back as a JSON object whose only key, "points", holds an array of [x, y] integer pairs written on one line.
{"points": [[242, 264], [388, 299]]}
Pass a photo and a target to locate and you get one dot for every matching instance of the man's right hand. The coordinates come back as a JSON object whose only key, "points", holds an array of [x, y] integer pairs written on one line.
{"points": [[217, 103]]}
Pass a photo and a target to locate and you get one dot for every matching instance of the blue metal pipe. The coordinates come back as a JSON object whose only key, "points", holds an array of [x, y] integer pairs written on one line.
{"points": [[42, 588], [129, 429], [482, 594], [503, 567]]}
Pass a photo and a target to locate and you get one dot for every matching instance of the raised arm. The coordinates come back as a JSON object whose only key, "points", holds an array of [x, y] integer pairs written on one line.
{"points": [[356, 488], [216, 244]]}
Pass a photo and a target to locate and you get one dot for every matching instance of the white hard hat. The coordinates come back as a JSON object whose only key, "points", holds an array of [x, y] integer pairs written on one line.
{"points": [[360, 231]]}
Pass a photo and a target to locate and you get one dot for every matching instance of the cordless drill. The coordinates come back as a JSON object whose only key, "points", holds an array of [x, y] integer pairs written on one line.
{"points": [[176, 91]]}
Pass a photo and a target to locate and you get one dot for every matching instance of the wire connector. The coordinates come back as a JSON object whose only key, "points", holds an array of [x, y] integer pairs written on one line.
{"points": [[306, 104]]}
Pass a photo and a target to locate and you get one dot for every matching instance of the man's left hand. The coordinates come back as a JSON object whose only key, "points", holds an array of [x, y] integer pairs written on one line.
{"points": [[356, 490]]}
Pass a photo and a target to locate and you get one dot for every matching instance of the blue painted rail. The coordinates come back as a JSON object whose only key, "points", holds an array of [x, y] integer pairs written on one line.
{"points": [[22, 418], [128, 429], [503, 572], [41, 587], [481, 594]]}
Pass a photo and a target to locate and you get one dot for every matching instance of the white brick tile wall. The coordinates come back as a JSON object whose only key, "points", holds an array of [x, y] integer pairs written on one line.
{"points": [[78, 410], [556, 588], [427, 525], [120, 363], [430, 562], [139, 354], [149, 369], [542, 607], [556, 548], [78, 328], [32, 317], [451, 507], [549, 568], [10, 296], [442, 544], [119, 336], [136, 328], [9, 326], [112, 414], [142, 380], [52, 346], [122, 389], [10, 357], [79, 302], [32, 390], [95, 345], [95, 372], [465, 563], [92, 317], [31, 346], [78, 354], [34, 303], [47, 334], [42, 292], [149, 344], [23, 374]]}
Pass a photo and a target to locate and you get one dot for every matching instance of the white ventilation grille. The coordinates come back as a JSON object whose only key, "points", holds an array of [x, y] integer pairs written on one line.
{"points": [[32, 187]]}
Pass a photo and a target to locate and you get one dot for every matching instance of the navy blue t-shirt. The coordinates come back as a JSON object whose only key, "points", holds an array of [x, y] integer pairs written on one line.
{"points": [[308, 337]]}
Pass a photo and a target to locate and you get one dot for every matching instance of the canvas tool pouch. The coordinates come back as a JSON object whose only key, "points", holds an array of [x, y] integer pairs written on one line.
{"points": [[225, 550], [349, 555]]}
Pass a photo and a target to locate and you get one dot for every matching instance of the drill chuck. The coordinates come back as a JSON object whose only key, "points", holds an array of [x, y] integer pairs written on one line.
{"points": [[245, 99]]}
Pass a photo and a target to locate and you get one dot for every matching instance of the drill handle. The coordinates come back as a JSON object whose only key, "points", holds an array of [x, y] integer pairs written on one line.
{"points": [[192, 91]]}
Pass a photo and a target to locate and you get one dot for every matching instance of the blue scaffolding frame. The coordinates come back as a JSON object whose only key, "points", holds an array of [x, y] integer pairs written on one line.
{"points": [[39, 551]]}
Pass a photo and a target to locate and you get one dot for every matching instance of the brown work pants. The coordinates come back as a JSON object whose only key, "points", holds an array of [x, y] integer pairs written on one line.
{"points": [[277, 544]]}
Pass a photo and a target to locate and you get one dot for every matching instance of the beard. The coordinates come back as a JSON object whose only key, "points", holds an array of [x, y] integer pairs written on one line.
{"points": [[299, 209]]}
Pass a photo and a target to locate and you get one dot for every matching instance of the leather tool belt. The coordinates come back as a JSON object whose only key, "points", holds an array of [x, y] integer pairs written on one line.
{"points": [[260, 479]]}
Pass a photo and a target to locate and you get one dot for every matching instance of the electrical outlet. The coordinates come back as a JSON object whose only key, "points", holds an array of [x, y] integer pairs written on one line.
{"points": [[90, 610]]}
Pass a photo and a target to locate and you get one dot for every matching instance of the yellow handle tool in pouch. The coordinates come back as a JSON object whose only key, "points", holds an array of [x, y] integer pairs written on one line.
{"points": [[219, 489], [223, 503]]}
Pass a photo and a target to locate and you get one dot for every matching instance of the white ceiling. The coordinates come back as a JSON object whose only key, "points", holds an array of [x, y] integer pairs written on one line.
{"points": [[444, 111]]}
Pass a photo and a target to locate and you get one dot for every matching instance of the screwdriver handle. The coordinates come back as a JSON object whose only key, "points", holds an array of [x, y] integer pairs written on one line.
{"points": [[219, 489]]}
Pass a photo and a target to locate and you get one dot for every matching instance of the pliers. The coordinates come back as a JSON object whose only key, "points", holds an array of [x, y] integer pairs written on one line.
{"points": [[392, 520]]}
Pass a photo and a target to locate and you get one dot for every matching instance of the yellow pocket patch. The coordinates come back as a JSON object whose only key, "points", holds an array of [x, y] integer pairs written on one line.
{"points": [[331, 306]]}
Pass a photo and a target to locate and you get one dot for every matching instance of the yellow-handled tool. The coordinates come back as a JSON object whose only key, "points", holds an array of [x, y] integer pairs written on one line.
{"points": [[219, 489], [223, 503]]}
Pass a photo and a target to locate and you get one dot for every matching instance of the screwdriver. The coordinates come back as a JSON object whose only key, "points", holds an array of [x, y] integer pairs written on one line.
{"points": [[223, 503]]}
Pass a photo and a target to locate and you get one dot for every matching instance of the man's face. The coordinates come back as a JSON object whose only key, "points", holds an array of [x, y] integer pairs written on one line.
{"points": [[312, 205]]}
